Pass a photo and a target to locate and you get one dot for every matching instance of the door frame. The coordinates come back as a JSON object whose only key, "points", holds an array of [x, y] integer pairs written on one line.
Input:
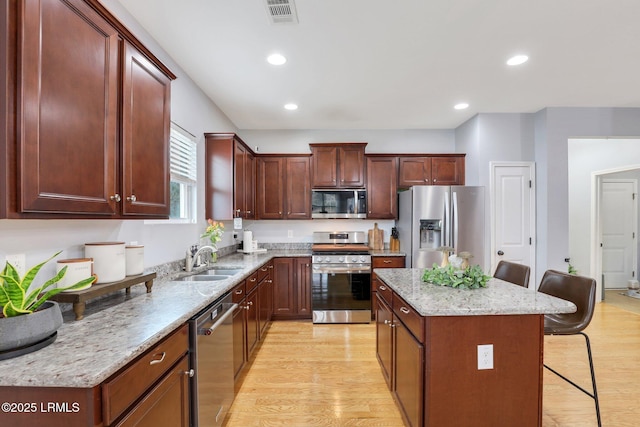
{"points": [[596, 226], [532, 214]]}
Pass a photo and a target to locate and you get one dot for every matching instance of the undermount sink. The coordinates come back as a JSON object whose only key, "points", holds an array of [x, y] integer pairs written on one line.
{"points": [[221, 271], [204, 278]]}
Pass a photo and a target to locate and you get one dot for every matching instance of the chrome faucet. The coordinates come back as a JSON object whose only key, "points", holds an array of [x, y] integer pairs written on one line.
{"points": [[192, 256]]}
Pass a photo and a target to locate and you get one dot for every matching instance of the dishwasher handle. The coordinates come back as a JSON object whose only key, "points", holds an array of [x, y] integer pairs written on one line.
{"points": [[229, 312]]}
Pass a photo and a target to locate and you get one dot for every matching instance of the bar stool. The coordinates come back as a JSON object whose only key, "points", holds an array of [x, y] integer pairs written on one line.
{"points": [[582, 292], [513, 272]]}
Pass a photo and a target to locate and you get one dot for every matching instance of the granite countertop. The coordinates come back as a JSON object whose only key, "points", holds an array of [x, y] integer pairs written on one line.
{"points": [[385, 252], [499, 297], [88, 351]]}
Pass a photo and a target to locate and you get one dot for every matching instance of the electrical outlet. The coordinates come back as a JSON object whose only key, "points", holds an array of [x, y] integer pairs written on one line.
{"points": [[485, 356], [289, 233], [19, 262]]}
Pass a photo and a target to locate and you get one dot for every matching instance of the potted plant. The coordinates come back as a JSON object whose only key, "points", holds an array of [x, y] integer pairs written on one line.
{"points": [[28, 319]]}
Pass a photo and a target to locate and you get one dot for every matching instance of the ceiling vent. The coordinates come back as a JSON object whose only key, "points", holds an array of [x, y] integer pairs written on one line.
{"points": [[282, 11]]}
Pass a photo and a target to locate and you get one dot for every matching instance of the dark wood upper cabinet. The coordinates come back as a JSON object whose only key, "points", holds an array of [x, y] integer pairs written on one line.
{"points": [[283, 187], [382, 180], [431, 170], [338, 165], [146, 121], [230, 170], [88, 112]]}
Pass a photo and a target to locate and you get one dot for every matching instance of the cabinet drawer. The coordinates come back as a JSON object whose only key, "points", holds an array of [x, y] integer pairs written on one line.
{"points": [[121, 391], [411, 319], [263, 272], [252, 281], [387, 261], [383, 290], [239, 292]]}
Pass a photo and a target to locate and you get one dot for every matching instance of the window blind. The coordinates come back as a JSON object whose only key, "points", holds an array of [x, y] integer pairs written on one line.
{"points": [[182, 155]]}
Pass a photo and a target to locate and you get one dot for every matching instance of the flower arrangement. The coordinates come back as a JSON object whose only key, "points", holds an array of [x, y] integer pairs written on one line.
{"points": [[214, 231]]}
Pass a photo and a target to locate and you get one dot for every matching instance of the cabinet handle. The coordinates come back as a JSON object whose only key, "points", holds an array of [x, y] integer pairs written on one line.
{"points": [[405, 310], [382, 288], [156, 361], [263, 269], [190, 373], [115, 197], [387, 261], [132, 198], [270, 281], [271, 266], [253, 280], [239, 292]]}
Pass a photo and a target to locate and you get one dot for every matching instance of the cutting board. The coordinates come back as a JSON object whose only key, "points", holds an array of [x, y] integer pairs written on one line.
{"points": [[376, 238]]}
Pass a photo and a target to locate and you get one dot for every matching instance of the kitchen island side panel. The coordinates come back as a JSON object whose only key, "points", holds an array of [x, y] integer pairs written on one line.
{"points": [[458, 394]]}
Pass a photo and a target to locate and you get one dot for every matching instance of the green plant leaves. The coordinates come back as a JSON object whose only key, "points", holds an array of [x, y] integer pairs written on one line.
{"points": [[471, 277], [13, 289]]}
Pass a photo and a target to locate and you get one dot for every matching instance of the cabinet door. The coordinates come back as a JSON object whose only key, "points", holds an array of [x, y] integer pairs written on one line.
{"points": [[67, 111], [239, 164], [284, 303], [250, 186], [408, 363], [298, 197], [270, 182], [447, 170], [303, 288], [253, 325], [239, 338], [325, 166], [351, 166], [265, 300], [382, 196], [146, 116], [384, 339], [167, 404], [414, 171]]}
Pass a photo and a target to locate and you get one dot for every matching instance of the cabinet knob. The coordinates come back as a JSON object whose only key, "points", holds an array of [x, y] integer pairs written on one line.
{"points": [[115, 198], [279, 212], [190, 373], [434, 180], [132, 198]]}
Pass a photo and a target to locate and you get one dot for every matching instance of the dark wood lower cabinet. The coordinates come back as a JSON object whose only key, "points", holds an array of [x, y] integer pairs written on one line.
{"points": [[166, 404], [408, 365], [292, 288], [384, 339]]}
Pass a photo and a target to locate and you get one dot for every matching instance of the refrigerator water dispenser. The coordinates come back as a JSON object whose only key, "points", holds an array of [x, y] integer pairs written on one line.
{"points": [[430, 233]]}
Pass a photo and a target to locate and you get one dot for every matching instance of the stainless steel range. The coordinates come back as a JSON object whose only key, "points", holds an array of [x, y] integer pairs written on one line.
{"points": [[341, 278]]}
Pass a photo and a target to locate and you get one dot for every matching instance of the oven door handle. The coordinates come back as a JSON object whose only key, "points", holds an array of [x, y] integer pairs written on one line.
{"points": [[340, 270]]}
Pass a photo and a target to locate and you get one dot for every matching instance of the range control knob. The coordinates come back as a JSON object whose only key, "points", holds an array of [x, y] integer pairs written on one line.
{"points": [[327, 259], [341, 259], [362, 258], [354, 259]]}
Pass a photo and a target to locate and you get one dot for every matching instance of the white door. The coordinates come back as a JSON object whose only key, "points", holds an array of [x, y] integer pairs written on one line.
{"points": [[513, 214], [618, 216]]}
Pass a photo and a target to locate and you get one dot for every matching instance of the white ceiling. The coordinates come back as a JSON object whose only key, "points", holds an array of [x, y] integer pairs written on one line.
{"points": [[401, 64]]}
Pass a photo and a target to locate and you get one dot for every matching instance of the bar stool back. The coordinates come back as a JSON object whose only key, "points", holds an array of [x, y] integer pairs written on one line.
{"points": [[582, 292], [513, 272]]}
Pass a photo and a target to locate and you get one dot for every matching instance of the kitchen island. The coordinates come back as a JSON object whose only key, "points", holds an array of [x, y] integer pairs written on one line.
{"points": [[457, 357]]}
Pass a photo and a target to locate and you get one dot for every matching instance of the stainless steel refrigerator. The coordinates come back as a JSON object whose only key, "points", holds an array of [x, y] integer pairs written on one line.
{"points": [[433, 215]]}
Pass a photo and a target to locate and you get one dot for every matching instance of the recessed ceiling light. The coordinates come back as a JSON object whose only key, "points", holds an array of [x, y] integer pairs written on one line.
{"points": [[461, 106], [291, 106], [517, 60], [276, 59]]}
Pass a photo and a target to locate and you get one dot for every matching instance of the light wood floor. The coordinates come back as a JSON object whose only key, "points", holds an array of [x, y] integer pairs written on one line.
{"points": [[327, 375]]}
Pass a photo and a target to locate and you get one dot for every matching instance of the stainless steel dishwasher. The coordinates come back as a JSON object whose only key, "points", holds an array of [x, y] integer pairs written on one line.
{"points": [[211, 357]]}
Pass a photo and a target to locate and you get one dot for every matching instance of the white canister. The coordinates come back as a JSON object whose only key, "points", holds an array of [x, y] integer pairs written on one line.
{"points": [[134, 255], [77, 269], [109, 262]]}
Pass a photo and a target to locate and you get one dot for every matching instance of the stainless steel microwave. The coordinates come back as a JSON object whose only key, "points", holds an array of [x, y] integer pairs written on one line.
{"points": [[339, 203]]}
